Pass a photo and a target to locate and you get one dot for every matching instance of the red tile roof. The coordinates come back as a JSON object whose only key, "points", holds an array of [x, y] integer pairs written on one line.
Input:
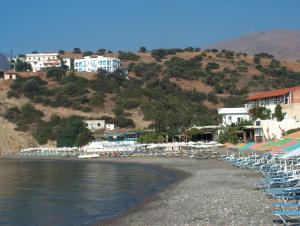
{"points": [[272, 93]]}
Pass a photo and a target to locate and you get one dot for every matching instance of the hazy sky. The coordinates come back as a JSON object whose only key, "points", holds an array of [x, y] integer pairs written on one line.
{"points": [[46, 25]]}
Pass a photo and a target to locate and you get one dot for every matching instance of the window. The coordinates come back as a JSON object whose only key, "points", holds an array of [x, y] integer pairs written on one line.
{"points": [[239, 120], [99, 124], [257, 123], [229, 118]]}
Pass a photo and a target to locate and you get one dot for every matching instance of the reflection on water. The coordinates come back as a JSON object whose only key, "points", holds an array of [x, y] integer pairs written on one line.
{"points": [[73, 192]]}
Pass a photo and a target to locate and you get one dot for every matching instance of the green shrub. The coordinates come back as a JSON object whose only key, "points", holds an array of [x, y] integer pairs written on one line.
{"points": [[123, 122], [12, 94], [211, 97], [212, 66], [55, 73], [128, 56], [151, 138], [22, 66]]}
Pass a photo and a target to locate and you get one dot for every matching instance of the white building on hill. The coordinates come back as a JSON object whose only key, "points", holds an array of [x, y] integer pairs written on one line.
{"points": [[94, 63], [39, 61], [96, 124], [233, 115]]}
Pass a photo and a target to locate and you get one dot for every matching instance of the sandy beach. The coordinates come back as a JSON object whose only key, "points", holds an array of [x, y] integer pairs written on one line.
{"points": [[214, 193]]}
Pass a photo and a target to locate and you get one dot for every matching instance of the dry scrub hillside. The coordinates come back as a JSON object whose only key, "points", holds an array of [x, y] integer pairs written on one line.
{"points": [[242, 75]]}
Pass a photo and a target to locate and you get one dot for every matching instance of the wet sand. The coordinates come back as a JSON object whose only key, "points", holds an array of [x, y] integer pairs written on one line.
{"points": [[213, 193]]}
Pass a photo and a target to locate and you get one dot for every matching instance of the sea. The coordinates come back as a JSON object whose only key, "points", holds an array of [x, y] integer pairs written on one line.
{"points": [[70, 192]]}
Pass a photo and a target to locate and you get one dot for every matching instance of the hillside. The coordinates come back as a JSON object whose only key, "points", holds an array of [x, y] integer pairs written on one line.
{"points": [[283, 44], [167, 90]]}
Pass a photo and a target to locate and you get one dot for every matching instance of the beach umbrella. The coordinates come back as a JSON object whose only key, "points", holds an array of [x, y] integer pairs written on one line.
{"points": [[293, 153]]}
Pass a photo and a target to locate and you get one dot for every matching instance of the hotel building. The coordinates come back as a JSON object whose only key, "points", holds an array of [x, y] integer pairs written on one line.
{"points": [[39, 61], [94, 63]]}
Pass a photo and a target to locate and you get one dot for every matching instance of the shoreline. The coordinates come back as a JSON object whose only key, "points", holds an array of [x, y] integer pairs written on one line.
{"points": [[205, 192], [211, 193]]}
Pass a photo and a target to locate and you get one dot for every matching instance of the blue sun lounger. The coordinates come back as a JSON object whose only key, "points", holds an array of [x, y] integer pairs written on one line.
{"points": [[283, 205], [284, 214]]}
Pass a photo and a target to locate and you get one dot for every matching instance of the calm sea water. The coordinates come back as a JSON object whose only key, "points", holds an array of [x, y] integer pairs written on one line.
{"points": [[73, 192]]}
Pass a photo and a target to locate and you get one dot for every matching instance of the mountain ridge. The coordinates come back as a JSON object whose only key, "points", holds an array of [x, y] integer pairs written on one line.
{"points": [[283, 44]]}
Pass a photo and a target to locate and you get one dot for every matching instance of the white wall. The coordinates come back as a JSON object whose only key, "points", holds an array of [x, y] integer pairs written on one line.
{"points": [[273, 129], [110, 126], [95, 124]]}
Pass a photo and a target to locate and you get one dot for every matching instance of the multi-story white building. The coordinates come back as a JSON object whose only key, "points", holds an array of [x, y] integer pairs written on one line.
{"points": [[233, 115], [94, 63], [39, 61]]}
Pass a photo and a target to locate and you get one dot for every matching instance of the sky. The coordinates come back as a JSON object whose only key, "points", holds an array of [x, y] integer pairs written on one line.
{"points": [[51, 25]]}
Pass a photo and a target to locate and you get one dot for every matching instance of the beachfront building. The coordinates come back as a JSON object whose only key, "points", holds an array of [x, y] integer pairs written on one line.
{"points": [[233, 115], [205, 133], [39, 61], [279, 96], [288, 98], [263, 130], [94, 63], [123, 136]]}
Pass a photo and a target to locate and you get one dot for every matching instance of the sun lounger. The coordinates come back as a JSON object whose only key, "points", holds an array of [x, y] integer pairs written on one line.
{"points": [[283, 205], [286, 213]]}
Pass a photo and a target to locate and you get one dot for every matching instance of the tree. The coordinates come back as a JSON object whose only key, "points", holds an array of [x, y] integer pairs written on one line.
{"points": [[229, 133], [260, 112], [55, 72], [278, 114], [22, 66], [87, 53], [84, 138], [256, 59], [72, 64], [68, 132], [142, 49], [61, 51], [212, 66], [128, 56], [101, 51], [123, 122], [151, 138], [189, 49], [77, 50], [211, 97]]}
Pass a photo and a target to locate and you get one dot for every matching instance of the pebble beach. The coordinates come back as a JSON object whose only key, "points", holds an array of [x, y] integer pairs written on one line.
{"points": [[210, 192]]}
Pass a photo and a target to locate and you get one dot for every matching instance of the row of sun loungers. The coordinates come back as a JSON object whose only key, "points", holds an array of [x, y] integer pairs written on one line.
{"points": [[281, 182]]}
